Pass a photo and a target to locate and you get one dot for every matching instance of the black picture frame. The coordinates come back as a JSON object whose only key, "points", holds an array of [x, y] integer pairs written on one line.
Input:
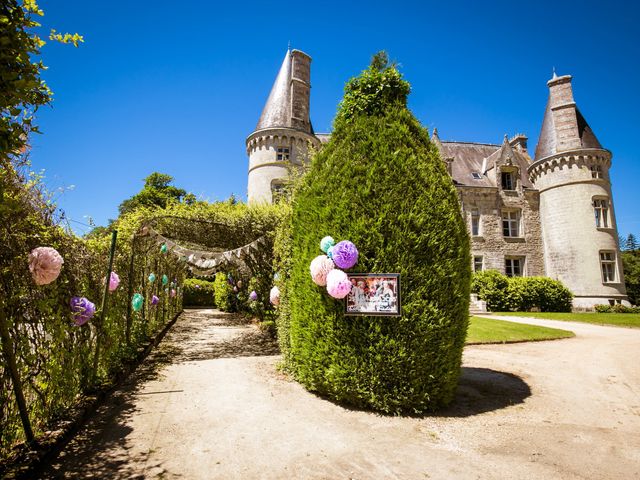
{"points": [[363, 301]]}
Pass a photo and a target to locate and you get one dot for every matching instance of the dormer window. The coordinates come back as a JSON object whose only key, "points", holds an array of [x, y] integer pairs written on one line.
{"points": [[476, 176], [282, 154], [508, 180], [596, 171]]}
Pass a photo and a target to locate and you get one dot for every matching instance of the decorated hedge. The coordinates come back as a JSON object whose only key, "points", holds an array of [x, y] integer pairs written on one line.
{"points": [[381, 184]]}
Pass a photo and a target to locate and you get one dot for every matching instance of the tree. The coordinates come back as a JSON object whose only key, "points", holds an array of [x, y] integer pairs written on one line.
{"points": [[158, 192], [631, 266], [22, 90], [631, 243], [380, 183]]}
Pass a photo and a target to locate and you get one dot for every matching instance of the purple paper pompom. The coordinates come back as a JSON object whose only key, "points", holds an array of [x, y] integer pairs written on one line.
{"points": [[338, 284], [253, 296], [154, 300], [82, 310], [344, 254], [114, 281]]}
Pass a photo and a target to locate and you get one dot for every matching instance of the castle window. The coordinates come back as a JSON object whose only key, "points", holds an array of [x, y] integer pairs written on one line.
{"points": [[596, 171], [278, 191], [282, 154], [475, 223], [478, 263], [511, 223], [608, 266], [476, 176], [513, 266], [601, 212], [508, 180]]}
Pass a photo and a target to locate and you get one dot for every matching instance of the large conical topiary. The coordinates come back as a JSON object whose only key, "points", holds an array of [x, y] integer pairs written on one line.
{"points": [[380, 183]]}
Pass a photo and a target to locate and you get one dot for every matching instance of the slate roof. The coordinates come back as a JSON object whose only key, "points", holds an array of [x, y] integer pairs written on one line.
{"points": [[547, 143], [277, 111]]}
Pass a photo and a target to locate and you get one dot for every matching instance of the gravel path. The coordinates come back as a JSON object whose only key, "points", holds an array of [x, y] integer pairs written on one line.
{"points": [[210, 403]]}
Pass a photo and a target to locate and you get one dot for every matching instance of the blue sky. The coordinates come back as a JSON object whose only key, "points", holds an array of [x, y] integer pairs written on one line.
{"points": [[176, 87]]}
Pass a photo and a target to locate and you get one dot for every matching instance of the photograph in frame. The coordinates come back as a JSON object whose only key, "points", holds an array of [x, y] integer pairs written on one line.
{"points": [[374, 294]]}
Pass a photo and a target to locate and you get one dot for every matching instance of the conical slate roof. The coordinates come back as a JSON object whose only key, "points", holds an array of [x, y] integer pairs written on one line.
{"points": [[548, 141], [277, 110]]}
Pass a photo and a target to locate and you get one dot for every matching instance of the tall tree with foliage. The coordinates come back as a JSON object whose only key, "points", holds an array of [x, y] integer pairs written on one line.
{"points": [[380, 183], [22, 90], [631, 265], [157, 192]]}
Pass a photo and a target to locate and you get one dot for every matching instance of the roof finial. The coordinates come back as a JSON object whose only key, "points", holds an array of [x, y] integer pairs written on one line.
{"points": [[506, 138], [435, 133], [554, 74], [289, 46]]}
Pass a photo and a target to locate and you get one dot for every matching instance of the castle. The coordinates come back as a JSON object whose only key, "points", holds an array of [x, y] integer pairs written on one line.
{"points": [[548, 216]]}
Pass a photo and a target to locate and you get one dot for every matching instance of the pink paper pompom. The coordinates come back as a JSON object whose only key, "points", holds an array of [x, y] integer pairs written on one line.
{"points": [[345, 254], [173, 292], [338, 284], [320, 268], [114, 281], [45, 264], [274, 296]]}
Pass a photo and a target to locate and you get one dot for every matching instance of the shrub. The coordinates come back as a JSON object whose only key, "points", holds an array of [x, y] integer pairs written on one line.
{"points": [[603, 308], [491, 286], [198, 293], [504, 293], [223, 292], [619, 308], [380, 183]]}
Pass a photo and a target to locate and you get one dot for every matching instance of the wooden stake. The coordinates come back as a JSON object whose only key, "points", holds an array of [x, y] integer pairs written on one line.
{"points": [[103, 307], [7, 350]]}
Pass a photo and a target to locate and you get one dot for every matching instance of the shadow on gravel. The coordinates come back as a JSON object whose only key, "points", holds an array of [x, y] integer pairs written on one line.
{"points": [[483, 390], [101, 450]]}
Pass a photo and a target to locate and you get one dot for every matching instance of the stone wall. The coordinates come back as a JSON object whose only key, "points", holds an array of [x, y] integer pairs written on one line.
{"points": [[491, 243]]}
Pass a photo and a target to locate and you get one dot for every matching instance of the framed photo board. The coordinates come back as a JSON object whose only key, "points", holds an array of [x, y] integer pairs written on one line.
{"points": [[374, 294]]}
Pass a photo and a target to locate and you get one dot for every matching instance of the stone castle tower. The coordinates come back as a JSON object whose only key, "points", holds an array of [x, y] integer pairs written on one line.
{"points": [[571, 172], [284, 132]]}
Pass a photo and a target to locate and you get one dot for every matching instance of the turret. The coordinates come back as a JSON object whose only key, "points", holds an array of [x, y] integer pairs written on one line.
{"points": [[571, 171], [284, 133]]}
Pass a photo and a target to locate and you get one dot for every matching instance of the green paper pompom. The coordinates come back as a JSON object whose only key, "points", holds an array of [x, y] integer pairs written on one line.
{"points": [[326, 243], [165, 279], [152, 277], [137, 301], [163, 248]]}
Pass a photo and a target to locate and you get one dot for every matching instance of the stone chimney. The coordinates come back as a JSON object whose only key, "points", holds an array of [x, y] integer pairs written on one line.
{"points": [[300, 90], [519, 142], [563, 110]]}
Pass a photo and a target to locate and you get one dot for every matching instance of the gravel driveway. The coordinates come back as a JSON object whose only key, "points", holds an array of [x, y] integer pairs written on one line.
{"points": [[210, 403]]}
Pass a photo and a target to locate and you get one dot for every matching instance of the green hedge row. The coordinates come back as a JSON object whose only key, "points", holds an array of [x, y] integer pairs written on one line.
{"points": [[504, 293], [198, 293], [618, 308]]}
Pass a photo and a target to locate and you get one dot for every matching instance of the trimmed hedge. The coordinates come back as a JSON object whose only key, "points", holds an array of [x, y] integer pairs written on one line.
{"points": [[223, 293], [198, 293], [617, 308], [504, 293], [380, 183]]}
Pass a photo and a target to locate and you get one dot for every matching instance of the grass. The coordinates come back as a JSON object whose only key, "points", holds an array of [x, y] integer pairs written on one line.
{"points": [[617, 319], [488, 330]]}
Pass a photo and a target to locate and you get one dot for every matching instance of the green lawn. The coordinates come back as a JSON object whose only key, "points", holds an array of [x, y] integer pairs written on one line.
{"points": [[488, 330], [618, 319]]}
